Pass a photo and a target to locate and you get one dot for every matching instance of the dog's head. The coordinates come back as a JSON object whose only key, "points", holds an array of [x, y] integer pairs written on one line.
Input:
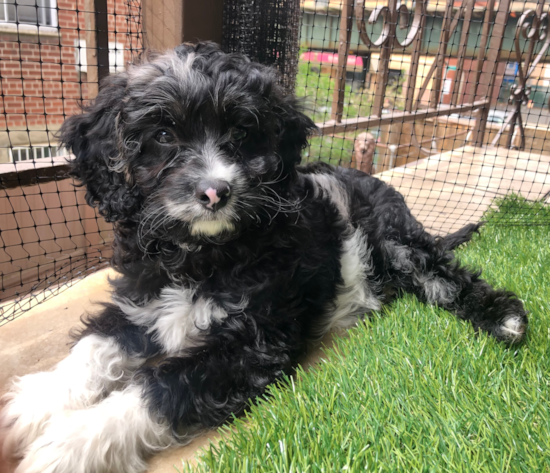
{"points": [[195, 143]]}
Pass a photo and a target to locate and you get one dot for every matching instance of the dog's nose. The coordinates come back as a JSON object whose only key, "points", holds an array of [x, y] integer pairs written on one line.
{"points": [[213, 193]]}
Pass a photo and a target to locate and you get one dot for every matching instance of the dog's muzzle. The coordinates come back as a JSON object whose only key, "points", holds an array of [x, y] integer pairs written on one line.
{"points": [[213, 194]]}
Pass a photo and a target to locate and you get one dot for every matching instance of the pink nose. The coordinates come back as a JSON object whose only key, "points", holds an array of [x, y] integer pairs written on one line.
{"points": [[213, 193], [213, 196]]}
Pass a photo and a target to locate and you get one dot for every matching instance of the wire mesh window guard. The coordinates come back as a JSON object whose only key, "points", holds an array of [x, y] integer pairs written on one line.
{"points": [[267, 31], [446, 100]]}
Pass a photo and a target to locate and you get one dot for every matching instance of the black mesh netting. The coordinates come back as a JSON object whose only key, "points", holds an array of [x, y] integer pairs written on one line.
{"points": [[445, 100], [48, 65], [267, 31]]}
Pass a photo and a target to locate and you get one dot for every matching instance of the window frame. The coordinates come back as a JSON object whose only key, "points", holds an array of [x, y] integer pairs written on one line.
{"points": [[54, 151], [49, 8], [117, 62]]}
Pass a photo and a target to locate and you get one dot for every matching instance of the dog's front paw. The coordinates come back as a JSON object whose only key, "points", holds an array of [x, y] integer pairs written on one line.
{"points": [[113, 436], [60, 448], [28, 406], [73, 442]]}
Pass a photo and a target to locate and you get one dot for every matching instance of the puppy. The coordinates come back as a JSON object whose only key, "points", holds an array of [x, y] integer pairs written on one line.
{"points": [[231, 259]]}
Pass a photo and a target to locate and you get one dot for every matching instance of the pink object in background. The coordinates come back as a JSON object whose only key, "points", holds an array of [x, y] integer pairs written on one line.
{"points": [[330, 58]]}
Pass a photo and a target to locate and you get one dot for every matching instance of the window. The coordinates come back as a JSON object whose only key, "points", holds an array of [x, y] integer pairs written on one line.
{"points": [[33, 12], [36, 152], [116, 56]]}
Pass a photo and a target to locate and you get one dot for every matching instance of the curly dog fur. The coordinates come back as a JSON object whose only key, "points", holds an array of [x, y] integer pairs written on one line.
{"points": [[232, 257]]}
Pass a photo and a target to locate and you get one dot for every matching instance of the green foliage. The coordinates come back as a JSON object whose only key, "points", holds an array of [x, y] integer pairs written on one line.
{"points": [[514, 209], [317, 89], [414, 389]]}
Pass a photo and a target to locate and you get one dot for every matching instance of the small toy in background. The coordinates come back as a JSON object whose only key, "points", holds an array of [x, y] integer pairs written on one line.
{"points": [[363, 152]]}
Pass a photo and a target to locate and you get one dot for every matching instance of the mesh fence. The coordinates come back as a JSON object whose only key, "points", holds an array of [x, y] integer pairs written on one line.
{"points": [[49, 65], [445, 100], [267, 31]]}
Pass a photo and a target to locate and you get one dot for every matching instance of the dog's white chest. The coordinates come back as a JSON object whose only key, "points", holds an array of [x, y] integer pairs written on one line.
{"points": [[177, 319]]}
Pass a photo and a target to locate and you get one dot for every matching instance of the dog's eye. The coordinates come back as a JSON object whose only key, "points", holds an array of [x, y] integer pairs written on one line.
{"points": [[238, 134], [164, 136]]}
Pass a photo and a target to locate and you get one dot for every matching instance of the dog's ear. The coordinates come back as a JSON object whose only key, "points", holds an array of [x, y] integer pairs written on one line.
{"points": [[92, 137], [296, 127]]}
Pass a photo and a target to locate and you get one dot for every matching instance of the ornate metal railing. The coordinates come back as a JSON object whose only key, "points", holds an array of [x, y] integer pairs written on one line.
{"points": [[397, 17], [533, 32]]}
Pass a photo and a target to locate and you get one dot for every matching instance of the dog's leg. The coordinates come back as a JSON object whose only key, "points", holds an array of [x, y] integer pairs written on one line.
{"points": [[96, 365], [464, 235], [431, 272], [182, 395]]}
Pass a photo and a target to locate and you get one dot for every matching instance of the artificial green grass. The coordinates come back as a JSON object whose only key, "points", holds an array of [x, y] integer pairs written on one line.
{"points": [[414, 389]]}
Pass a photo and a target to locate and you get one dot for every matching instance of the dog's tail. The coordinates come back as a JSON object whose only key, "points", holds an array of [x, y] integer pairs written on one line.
{"points": [[464, 235]]}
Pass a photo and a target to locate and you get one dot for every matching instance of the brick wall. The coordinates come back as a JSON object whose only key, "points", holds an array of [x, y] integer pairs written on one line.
{"points": [[40, 80], [49, 234]]}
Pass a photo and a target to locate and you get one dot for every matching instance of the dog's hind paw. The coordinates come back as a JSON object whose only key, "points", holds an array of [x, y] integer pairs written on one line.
{"points": [[503, 315], [513, 328]]}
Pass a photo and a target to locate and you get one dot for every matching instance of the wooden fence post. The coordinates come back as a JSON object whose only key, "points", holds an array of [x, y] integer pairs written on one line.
{"points": [[339, 93], [102, 38], [91, 49], [487, 77]]}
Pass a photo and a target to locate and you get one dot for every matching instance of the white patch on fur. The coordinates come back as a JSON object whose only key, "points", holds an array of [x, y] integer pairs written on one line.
{"points": [[181, 67], [513, 328], [214, 164], [113, 436], [400, 256], [182, 211], [95, 366], [437, 290], [332, 187], [354, 294], [211, 227], [176, 320], [219, 170], [146, 73], [187, 211]]}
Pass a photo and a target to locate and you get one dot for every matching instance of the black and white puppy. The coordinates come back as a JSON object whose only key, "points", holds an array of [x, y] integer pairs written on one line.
{"points": [[231, 259]]}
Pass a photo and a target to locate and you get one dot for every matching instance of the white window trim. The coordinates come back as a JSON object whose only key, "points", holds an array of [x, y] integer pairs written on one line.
{"points": [[52, 5], [116, 56]]}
